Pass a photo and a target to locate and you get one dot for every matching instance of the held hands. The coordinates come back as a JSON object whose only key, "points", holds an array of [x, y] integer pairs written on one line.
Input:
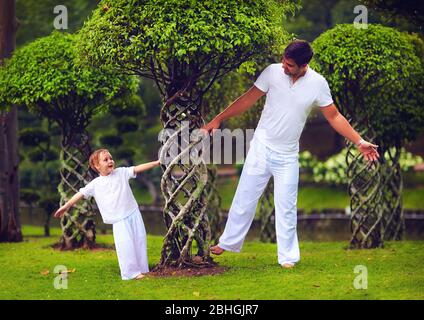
{"points": [[368, 150]]}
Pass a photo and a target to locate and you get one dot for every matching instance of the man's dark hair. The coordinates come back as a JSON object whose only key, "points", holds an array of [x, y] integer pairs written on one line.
{"points": [[300, 51]]}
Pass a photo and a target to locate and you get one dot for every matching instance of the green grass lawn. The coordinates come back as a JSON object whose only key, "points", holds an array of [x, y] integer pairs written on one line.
{"points": [[326, 271]]}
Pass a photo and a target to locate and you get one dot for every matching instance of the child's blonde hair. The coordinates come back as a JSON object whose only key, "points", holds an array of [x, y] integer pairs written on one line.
{"points": [[94, 158]]}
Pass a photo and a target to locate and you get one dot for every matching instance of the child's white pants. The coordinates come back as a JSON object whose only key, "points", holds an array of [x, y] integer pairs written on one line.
{"points": [[131, 246], [262, 162]]}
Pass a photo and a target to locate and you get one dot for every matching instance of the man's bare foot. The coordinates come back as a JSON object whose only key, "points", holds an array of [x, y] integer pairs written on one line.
{"points": [[217, 250], [140, 276], [288, 265]]}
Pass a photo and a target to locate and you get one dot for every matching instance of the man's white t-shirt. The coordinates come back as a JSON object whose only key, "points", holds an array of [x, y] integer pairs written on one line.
{"points": [[113, 194], [287, 106]]}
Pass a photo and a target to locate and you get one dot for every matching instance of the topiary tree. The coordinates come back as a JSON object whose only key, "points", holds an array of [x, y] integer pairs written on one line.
{"points": [[44, 77], [37, 143], [48, 204], [125, 110], [181, 44], [377, 81], [30, 197]]}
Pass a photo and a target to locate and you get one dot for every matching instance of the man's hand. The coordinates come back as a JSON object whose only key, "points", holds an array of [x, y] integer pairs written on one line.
{"points": [[60, 212], [214, 124], [368, 150]]}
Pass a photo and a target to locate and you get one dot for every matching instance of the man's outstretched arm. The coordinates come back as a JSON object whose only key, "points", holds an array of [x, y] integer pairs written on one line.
{"points": [[240, 105], [342, 126]]}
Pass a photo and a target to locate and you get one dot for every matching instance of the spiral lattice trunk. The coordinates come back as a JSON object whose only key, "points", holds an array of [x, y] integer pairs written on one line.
{"points": [[267, 214], [185, 187], [375, 193], [78, 227], [391, 189], [214, 205]]}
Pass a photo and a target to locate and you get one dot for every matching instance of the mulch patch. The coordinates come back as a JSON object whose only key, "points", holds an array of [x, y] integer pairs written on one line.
{"points": [[187, 271]]}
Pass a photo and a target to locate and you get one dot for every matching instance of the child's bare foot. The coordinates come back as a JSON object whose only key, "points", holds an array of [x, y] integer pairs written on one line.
{"points": [[140, 276], [287, 265], [217, 250]]}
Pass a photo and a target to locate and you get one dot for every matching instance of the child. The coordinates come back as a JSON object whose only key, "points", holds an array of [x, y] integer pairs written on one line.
{"points": [[117, 206]]}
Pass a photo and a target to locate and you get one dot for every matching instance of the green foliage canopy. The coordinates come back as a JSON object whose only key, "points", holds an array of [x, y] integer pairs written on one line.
{"points": [[44, 77], [376, 79], [171, 41]]}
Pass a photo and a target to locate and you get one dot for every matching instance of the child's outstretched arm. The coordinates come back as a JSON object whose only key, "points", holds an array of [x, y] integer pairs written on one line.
{"points": [[59, 213], [146, 166]]}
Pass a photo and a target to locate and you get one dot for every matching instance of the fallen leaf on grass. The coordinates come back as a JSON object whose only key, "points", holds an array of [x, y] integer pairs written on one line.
{"points": [[45, 272], [67, 271]]}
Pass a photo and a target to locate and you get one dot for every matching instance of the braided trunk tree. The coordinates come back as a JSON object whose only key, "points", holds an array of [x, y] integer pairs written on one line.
{"points": [[392, 188], [378, 83], [376, 198], [191, 210], [365, 201], [267, 214], [78, 227], [214, 204], [185, 194]]}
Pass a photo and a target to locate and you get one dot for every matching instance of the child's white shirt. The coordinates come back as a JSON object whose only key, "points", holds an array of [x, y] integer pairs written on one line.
{"points": [[113, 194]]}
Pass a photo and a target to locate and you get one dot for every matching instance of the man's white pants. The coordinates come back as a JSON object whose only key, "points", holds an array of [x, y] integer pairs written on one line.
{"points": [[131, 246], [262, 162]]}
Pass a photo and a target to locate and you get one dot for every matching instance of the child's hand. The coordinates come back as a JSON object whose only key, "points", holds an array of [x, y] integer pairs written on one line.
{"points": [[60, 212]]}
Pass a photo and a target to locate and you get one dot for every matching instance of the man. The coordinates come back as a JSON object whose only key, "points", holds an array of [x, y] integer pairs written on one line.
{"points": [[292, 88]]}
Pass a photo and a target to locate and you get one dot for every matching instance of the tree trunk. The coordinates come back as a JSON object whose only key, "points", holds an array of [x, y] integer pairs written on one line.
{"points": [[47, 226], [184, 186], [364, 187], [391, 193], [267, 214], [376, 198], [10, 227], [78, 227], [214, 205]]}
